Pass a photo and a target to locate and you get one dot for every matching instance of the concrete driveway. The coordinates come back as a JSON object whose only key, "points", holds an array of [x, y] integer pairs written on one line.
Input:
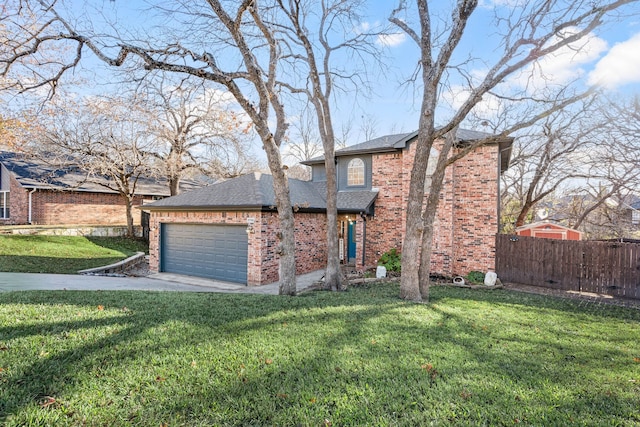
{"points": [[154, 282]]}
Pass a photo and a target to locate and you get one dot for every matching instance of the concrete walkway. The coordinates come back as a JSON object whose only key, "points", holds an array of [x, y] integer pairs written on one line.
{"points": [[154, 282]]}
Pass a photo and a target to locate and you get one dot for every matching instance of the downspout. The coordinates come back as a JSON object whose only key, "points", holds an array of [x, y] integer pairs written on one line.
{"points": [[499, 191], [33, 190], [499, 210], [364, 235]]}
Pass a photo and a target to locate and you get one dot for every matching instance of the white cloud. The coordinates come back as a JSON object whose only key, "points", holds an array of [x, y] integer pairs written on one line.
{"points": [[619, 66], [363, 27], [391, 40], [489, 106], [561, 66], [492, 4]]}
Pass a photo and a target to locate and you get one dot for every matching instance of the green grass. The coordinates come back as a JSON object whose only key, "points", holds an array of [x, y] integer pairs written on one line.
{"points": [[356, 358], [63, 254]]}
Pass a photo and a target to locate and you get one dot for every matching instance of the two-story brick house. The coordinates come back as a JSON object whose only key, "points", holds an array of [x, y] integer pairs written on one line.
{"points": [[227, 231]]}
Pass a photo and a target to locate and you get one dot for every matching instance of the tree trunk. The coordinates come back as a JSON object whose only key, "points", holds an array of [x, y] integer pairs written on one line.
{"points": [[129, 207], [409, 281], [286, 235], [524, 211], [429, 215], [333, 274], [174, 185]]}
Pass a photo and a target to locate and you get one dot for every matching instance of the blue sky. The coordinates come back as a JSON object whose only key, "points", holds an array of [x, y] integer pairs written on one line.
{"points": [[610, 57]]}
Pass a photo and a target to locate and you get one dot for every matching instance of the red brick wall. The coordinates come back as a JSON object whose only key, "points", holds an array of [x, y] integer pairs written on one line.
{"points": [[18, 204], [311, 244], [385, 228], [466, 221], [475, 208], [262, 268], [442, 261], [66, 208]]}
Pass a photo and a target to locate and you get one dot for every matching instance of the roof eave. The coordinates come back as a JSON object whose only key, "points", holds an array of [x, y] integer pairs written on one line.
{"points": [[354, 210], [191, 208], [84, 190], [353, 153]]}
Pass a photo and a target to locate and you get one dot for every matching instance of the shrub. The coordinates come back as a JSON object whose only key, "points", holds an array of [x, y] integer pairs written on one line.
{"points": [[475, 277], [391, 260]]}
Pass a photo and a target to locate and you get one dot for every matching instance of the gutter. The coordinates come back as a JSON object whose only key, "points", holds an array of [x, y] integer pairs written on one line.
{"points": [[500, 171], [364, 236]]}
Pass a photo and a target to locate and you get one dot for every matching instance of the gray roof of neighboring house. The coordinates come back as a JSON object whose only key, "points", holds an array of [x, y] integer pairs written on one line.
{"points": [[400, 140], [254, 191], [32, 173]]}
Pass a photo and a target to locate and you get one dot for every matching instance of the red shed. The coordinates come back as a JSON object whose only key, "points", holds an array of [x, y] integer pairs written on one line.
{"points": [[549, 230]]}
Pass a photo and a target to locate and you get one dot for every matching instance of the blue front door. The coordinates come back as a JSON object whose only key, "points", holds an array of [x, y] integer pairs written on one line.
{"points": [[351, 239]]}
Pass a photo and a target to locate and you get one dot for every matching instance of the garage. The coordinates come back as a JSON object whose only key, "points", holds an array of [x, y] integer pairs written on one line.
{"points": [[211, 251]]}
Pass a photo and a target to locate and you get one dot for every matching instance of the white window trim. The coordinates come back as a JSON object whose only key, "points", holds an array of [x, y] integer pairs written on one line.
{"points": [[4, 207], [350, 175]]}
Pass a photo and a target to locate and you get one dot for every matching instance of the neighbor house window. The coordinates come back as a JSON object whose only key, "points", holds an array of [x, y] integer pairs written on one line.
{"points": [[4, 204], [355, 172], [635, 217]]}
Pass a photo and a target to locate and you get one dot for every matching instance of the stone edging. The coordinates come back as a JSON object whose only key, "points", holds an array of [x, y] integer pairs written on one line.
{"points": [[117, 267]]}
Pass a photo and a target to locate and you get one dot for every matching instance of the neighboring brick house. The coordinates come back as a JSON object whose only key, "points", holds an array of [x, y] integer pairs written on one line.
{"points": [[228, 231], [32, 192]]}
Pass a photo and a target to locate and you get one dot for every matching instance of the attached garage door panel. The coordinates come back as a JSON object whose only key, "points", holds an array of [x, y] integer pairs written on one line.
{"points": [[211, 251]]}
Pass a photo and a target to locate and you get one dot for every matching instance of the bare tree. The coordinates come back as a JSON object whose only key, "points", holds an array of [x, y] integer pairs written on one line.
{"points": [[548, 155], [368, 127], [101, 141], [529, 31], [195, 130], [250, 47], [228, 43], [303, 142], [312, 43], [613, 172], [586, 154]]}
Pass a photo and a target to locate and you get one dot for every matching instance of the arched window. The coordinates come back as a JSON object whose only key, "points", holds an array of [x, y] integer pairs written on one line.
{"points": [[355, 172]]}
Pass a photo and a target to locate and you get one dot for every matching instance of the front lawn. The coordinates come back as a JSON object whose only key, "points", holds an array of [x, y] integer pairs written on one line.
{"points": [[362, 357], [63, 254]]}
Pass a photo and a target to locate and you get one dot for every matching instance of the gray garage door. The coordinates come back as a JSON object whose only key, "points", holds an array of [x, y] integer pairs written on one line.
{"points": [[211, 251]]}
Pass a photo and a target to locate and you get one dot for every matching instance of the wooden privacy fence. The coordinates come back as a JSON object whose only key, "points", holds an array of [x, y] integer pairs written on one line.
{"points": [[610, 268]]}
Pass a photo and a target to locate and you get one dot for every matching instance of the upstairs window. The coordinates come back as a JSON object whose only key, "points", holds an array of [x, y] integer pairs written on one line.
{"points": [[355, 172]]}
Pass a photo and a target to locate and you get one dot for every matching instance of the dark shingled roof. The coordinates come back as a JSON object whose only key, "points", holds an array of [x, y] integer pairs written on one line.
{"points": [[400, 140], [254, 191], [32, 173], [350, 201]]}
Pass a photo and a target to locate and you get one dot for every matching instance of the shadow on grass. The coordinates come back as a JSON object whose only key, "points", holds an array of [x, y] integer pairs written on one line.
{"points": [[53, 265], [358, 357], [533, 301], [129, 245], [64, 254]]}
